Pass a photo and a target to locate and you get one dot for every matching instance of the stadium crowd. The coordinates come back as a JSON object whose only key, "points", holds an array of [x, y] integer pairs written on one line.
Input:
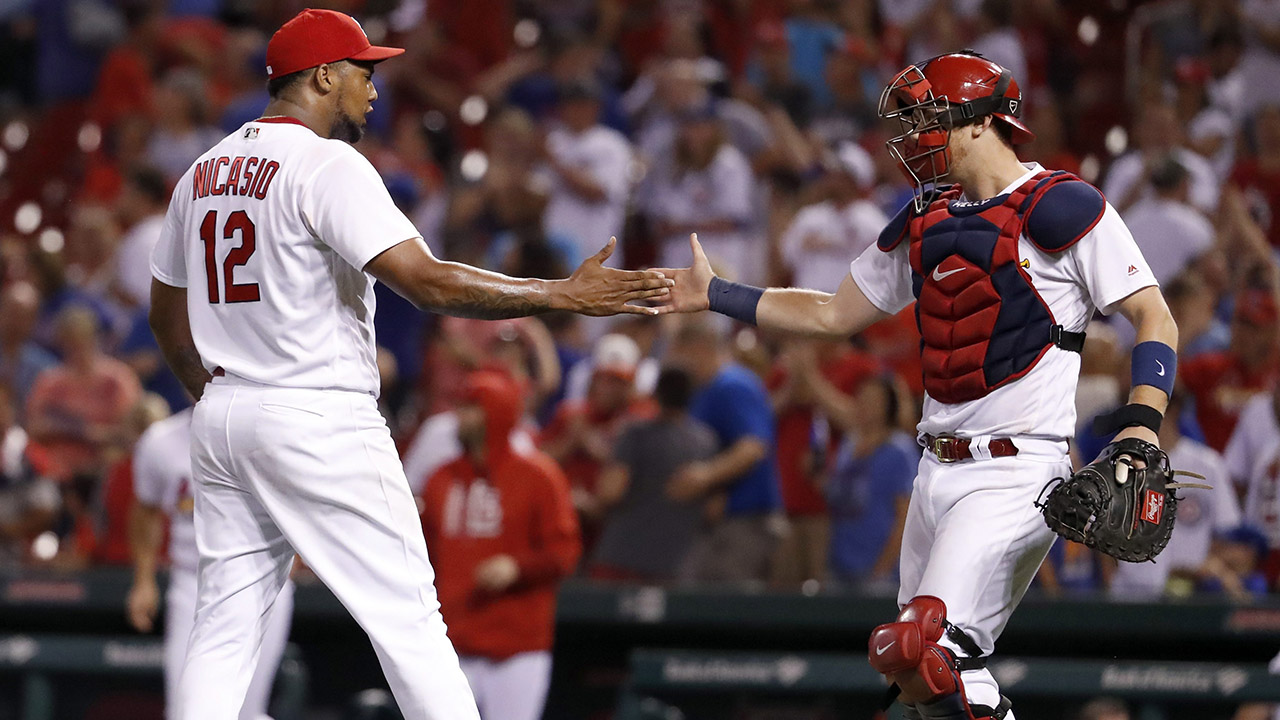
{"points": [[520, 135]]}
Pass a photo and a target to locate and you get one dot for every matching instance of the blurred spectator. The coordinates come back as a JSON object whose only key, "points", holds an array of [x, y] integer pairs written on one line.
{"points": [[644, 332], [461, 345], [1193, 303], [810, 35], [823, 238], [524, 247], [1235, 565], [998, 40], [1169, 231], [647, 535], [1211, 131], [505, 523], [582, 435], [141, 209], [1202, 516], [869, 490], [703, 184], [79, 409], [1257, 430], [1223, 382], [125, 83], [743, 475], [1260, 65], [1258, 175], [29, 501], [1158, 135], [772, 74], [1072, 569], [1104, 373], [113, 503], [49, 273], [811, 382], [21, 358], [183, 128], [852, 108], [590, 170]]}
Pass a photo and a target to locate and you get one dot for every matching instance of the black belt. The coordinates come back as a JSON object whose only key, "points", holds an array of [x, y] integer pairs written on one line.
{"points": [[1065, 339]]}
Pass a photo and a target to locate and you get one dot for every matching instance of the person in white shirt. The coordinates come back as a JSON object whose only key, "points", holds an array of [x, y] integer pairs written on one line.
{"points": [[262, 303], [590, 170], [1256, 432], [162, 486], [1006, 268], [141, 209], [1170, 233], [1158, 133], [703, 184], [822, 236]]}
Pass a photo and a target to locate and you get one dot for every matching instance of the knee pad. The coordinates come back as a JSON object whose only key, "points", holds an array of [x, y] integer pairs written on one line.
{"points": [[911, 645]]}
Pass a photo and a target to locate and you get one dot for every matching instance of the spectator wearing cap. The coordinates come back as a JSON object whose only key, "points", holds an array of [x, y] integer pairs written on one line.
{"points": [[582, 435], [1169, 231], [822, 237], [183, 128], [772, 74], [589, 167], [643, 332], [1224, 382], [646, 534], [1159, 134], [703, 184], [21, 357], [740, 482]]}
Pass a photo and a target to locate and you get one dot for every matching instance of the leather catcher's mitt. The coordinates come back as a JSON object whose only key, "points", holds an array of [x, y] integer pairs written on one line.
{"points": [[1111, 506]]}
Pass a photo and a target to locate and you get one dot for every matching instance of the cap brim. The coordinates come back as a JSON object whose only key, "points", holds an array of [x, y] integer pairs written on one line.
{"points": [[376, 53], [1021, 133]]}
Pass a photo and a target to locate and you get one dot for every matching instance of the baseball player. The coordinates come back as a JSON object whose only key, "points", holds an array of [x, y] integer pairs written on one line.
{"points": [[162, 486], [1006, 264], [262, 302]]}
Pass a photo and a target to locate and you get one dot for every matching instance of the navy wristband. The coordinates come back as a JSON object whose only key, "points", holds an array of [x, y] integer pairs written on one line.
{"points": [[1154, 364], [736, 300]]}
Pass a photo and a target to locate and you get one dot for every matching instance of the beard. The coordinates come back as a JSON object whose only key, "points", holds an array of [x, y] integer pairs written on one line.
{"points": [[347, 129]]}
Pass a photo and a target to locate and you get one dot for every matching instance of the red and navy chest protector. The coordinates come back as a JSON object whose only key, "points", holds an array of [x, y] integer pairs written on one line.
{"points": [[982, 323]]}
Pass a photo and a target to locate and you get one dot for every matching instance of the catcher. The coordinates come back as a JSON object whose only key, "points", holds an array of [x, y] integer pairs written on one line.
{"points": [[1005, 265]]}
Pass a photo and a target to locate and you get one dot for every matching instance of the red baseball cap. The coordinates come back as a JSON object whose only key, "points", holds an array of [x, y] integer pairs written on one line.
{"points": [[316, 37]]}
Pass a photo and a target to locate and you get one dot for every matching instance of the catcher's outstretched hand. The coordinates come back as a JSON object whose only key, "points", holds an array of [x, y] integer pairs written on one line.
{"points": [[594, 289], [690, 291]]}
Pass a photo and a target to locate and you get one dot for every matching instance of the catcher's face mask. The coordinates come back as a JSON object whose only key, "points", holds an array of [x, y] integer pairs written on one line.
{"points": [[922, 148]]}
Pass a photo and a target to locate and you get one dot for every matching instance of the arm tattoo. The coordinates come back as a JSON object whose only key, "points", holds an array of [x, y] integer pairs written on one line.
{"points": [[474, 293]]}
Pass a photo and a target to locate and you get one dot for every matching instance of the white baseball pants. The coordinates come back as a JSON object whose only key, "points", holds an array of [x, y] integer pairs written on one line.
{"points": [[974, 538], [280, 470], [511, 689], [180, 616]]}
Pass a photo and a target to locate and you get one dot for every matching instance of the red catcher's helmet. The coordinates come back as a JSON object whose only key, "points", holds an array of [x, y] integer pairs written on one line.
{"points": [[933, 97]]}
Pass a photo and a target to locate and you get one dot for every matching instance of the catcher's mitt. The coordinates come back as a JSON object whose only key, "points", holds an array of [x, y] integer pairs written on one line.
{"points": [[1111, 506]]}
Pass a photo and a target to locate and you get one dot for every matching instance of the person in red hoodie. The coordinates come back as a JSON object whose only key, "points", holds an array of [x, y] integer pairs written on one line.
{"points": [[503, 534]]}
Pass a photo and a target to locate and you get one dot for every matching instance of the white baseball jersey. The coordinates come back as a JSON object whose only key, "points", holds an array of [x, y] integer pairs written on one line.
{"points": [[162, 478], [270, 231], [1100, 270]]}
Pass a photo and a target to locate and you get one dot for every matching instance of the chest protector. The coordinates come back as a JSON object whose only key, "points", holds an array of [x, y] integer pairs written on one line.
{"points": [[982, 323]]}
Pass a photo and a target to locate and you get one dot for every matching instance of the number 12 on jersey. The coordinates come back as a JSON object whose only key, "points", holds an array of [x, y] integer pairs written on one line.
{"points": [[237, 221]]}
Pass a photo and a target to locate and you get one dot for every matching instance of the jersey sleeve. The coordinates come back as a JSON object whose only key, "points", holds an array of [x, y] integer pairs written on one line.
{"points": [[884, 277], [1109, 263], [148, 468], [347, 206], [168, 257]]}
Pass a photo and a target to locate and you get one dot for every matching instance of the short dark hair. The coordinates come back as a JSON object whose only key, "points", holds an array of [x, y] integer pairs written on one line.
{"points": [[674, 389], [1004, 130], [279, 85], [150, 182]]}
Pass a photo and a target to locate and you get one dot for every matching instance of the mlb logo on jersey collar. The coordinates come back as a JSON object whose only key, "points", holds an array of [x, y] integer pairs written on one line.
{"points": [[251, 133]]}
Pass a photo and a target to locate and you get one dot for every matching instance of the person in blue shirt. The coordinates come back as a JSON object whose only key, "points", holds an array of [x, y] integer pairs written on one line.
{"points": [[740, 482], [870, 488]]}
